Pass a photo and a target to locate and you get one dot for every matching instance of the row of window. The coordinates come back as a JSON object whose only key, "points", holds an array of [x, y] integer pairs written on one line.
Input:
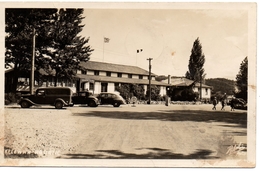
{"points": [[119, 75]]}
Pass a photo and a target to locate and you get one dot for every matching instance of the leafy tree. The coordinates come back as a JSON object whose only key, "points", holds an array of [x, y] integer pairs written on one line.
{"points": [[196, 62], [183, 94], [130, 90], [242, 80], [155, 93], [124, 90], [18, 40], [58, 46], [161, 77], [67, 48]]}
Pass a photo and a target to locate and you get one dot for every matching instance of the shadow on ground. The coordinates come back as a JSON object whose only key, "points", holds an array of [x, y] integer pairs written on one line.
{"points": [[154, 153], [237, 119]]}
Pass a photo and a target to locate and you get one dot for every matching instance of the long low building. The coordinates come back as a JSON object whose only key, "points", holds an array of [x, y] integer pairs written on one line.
{"points": [[95, 77], [104, 77]]}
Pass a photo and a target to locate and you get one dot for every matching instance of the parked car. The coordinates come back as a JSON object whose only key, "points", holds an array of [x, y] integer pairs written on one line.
{"points": [[111, 98], [85, 97], [239, 103], [54, 96]]}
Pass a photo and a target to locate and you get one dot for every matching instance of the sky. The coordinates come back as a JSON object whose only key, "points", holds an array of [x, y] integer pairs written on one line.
{"points": [[167, 36]]}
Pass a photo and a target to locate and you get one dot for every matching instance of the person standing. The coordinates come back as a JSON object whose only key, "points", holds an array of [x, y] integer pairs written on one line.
{"points": [[214, 103], [223, 101], [232, 104]]}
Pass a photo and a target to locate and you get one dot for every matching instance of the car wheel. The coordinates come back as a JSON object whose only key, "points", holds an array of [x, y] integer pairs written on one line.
{"points": [[25, 104], [116, 104], [58, 105], [92, 104]]}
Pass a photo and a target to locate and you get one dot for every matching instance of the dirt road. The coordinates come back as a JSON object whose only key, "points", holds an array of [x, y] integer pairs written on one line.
{"points": [[141, 132]]}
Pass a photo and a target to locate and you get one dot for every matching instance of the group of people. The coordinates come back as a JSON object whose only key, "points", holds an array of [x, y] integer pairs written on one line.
{"points": [[223, 102]]}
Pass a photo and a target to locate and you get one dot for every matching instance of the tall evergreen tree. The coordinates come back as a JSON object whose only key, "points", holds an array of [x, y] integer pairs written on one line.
{"points": [[58, 45], [242, 80], [19, 25], [196, 62], [67, 49]]}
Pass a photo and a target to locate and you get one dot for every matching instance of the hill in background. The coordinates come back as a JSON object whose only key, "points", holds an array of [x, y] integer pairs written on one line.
{"points": [[221, 85]]}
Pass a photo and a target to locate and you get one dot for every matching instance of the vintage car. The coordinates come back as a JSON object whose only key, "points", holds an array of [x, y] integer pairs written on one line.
{"points": [[114, 99], [54, 96], [239, 103], [85, 97]]}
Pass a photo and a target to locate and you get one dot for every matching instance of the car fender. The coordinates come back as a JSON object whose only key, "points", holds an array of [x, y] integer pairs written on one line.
{"points": [[28, 100], [59, 99]]}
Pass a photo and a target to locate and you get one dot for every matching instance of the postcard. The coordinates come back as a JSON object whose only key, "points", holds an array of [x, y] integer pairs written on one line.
{"points": [[139, 84]]}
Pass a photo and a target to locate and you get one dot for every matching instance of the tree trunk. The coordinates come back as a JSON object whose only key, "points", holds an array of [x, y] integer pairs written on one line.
{"points": [[15, 79]]}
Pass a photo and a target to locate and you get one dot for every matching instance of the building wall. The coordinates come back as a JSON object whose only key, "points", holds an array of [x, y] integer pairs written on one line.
{"points": [[206, 92], [90, 72], [135, 76], [124, 75], [110, 87], [145, 89], [113, 74], [102, 73], [163, 90], [97, 87]]}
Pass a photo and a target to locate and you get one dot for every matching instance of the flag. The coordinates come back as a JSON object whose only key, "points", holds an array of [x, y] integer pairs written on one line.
{"points": [[139, 50], [106, 40]]}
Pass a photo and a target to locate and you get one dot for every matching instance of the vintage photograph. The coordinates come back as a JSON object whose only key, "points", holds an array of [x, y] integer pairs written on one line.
{"points": [[129, 84]]}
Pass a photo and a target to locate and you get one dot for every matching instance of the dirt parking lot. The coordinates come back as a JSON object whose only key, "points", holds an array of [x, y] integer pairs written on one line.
{"points": [[141, 132]]}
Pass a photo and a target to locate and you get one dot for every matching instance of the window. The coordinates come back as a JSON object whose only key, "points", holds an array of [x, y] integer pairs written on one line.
{"points": [[119, 75], [84, 72], [116, 85], [108, 73], [206, 91], [91, 86], [140, 76], [130, 75], [40, 93], [96, 72]]}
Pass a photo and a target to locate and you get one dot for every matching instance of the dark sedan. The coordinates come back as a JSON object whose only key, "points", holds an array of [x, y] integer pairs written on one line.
{"points": [[111, 99]]}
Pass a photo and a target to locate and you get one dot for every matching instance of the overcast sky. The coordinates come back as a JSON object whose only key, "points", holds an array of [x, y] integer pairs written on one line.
{"points": [[167, 36]]}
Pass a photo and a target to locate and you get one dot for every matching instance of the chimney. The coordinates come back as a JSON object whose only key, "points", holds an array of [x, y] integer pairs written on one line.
{"points": [[169, 79]]}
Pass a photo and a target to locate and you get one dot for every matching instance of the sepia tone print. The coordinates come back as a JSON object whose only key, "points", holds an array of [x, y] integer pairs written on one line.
{"points": [[129, 85]]}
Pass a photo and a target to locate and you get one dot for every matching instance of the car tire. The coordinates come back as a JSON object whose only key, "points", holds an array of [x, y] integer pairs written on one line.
{"points": [[58, 105], [25, 104], [116, 104], [92, 104]]}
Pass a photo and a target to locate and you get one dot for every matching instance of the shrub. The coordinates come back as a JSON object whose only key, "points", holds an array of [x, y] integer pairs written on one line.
{"points": [[11, 98]]}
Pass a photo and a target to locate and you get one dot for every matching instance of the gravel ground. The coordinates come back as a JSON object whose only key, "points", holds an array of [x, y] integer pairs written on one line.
{"points": [[142, 132]]}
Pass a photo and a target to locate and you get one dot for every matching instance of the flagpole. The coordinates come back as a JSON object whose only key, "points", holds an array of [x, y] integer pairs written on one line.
{"points": [[103, 47], [136, 58]]}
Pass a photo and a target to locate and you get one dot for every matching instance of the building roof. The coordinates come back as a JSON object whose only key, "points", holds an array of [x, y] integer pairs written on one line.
{"points": [[91, 78], [184, 82], [101, 66]]}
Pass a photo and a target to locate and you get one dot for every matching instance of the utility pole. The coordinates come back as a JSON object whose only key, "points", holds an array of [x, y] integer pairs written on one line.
{"points": [[32, 64], [200, 87], [150, 67]]}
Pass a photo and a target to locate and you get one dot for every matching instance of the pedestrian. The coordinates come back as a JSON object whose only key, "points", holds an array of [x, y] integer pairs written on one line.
{"points": [[223, 103], [232, 104], [214, 103]]}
